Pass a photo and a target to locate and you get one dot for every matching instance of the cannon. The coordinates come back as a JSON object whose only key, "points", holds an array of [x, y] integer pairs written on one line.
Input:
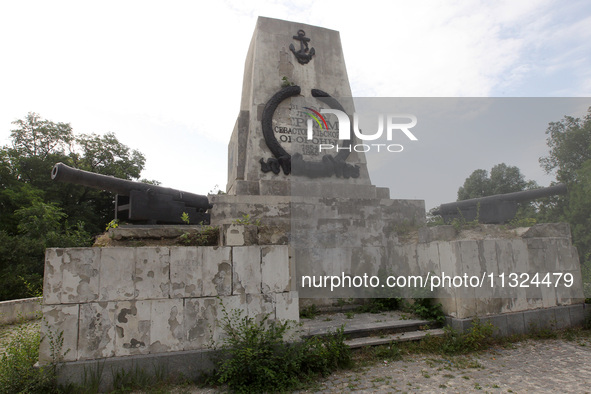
{"points": [[499, 208], [138, 202]]}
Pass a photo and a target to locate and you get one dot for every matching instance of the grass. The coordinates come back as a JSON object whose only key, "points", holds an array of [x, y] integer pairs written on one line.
{"points": [[19, 352]]}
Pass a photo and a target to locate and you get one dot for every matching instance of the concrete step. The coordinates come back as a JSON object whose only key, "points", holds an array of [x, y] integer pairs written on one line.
{"points": [[386, 339], [364, 324]]}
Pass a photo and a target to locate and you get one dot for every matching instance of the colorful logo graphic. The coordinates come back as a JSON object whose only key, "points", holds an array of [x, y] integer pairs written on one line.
{"points": [[318, 115]]}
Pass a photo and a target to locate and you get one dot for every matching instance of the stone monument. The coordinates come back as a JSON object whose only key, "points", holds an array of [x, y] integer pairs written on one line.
{"points": [[324, 200], [319, 215]]}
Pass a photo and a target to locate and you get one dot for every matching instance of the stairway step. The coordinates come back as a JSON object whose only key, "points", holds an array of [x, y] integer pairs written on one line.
{"points": [[399, 337], [355, 329]]}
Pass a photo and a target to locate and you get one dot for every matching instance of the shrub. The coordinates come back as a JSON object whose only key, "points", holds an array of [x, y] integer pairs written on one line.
{"points": [[377, 305], [309, 312], [17, 371], [477, 337], [255, 357], [427, 309]]}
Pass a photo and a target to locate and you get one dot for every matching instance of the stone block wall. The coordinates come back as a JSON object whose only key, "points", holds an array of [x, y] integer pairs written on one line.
{"points": [[111, 302], [544, 249], [13, 311]]}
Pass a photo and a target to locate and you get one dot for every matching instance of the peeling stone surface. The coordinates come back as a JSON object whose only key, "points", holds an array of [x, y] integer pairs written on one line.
{"points": [[186, 272], [60, 319], [117, 269], [259, 305], [246, 266], [239, 234], [152, 273], [217, 271], [52, 280], [275, 269], [287, 306], [199, 322], [167, 329], [80, 280], [156, 299], [132, 327], [96, 336]]}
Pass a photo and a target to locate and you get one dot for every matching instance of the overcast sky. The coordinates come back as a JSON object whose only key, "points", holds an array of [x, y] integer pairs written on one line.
{"points": [[166, 77]]}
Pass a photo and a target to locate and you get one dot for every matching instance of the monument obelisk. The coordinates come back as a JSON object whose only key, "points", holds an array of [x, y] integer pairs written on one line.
{"points": [[291, 70]]}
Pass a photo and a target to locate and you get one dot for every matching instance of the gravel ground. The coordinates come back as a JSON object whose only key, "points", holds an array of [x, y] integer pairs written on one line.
{"points": [[533, 366]]}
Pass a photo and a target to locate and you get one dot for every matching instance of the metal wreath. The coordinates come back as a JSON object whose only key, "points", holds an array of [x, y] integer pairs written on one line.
{"points": [[296, 165]]}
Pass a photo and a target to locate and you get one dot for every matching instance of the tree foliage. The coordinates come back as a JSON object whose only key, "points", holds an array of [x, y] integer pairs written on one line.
{"points": [[36, 212], [569, 141], [569, 158], [502, 179]]}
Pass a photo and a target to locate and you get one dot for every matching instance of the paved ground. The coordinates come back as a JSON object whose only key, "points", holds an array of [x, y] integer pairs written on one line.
{"points": [[540, 366], [532, 366]]}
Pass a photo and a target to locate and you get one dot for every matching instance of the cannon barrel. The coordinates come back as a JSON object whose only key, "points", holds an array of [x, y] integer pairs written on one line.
{"points": [[526, 195], [498, 208], [64, 173]]}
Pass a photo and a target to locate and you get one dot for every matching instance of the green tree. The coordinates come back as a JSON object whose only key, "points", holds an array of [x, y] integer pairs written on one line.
{"points": [[578, 210], [476, 185], [36, 212], [503, 179], [569, 159], [569, 141]]}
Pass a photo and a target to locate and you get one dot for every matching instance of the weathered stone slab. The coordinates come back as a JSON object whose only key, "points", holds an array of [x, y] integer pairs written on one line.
{"points": [[61, 320], [520, 256], [186, 272], [217, 271], [246, 266], [52, 279], [578, 313], [366, 261], [260, 305], [167, 332], [116, 270], [562, 318], [449, 258], [133, 321], [287, 306], [200, 320], [469, 255], [80, 270], [428, 257], [152, 273], [96, 336], [500, 325]]}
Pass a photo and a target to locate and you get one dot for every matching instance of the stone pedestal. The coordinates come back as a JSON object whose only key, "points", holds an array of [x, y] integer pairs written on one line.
{"points": [[118, 306]]}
